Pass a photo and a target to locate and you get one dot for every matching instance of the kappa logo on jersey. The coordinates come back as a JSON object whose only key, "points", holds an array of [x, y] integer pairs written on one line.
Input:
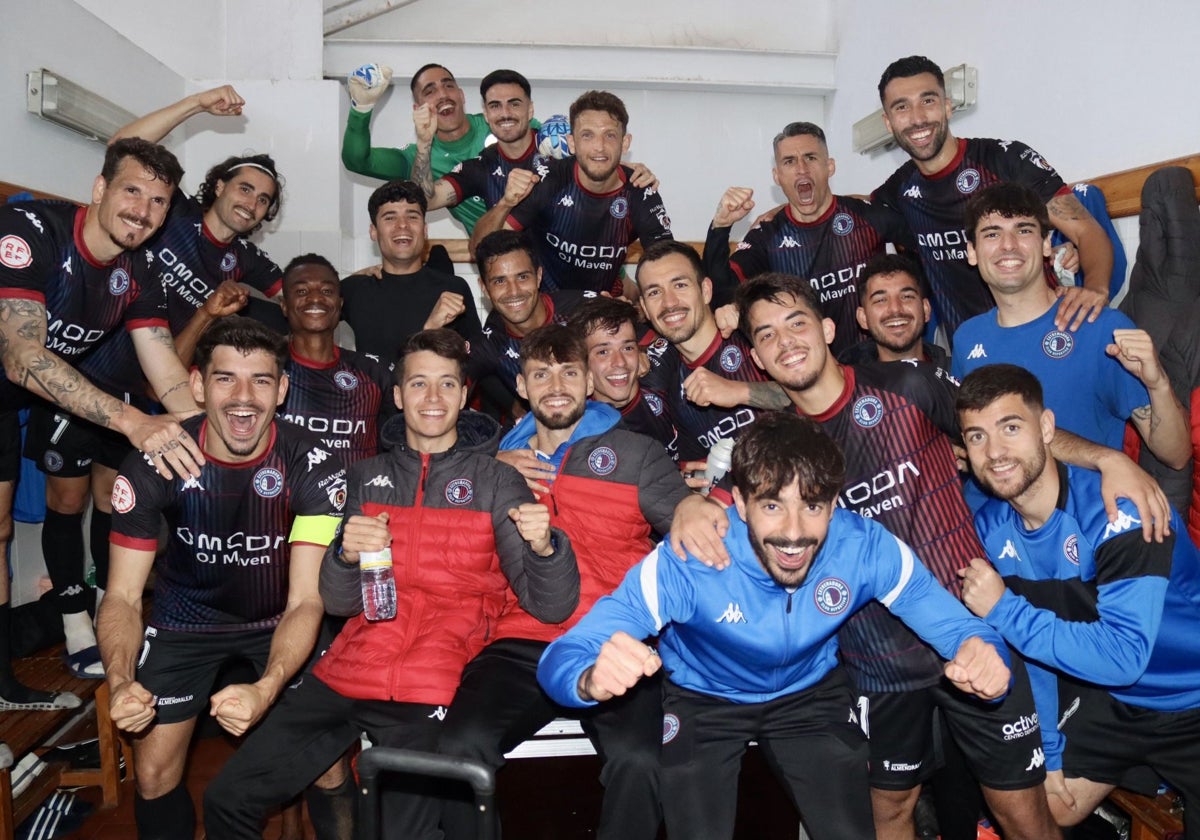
{"points": [[867, 411], [316, 456], [336, 492], [380, 480], [192, 483], [66, 267], [33, 220], [345, 380], [1124, 523], [967, 181], [832, 596], [14, 252], [731, 359], [268, 482], [670, 727], [1036, 159], [52, 460], [977, 352], [118, 281], [460, 491], [1004, 144], [1058, 344], [843, 224], [1009, 552], [498, 172], [733, 614], [655, 402], [602, 461], [1038, 759], [787, 242], [439, 713], [542, 169], [743, 245], [566, 201], [513, 353], [912, 192], [619, 208], [229, 261], [123, 497], [1071, 549]]}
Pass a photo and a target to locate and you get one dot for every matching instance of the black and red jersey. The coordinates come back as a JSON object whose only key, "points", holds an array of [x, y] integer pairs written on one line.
{"points": [[345, 402], [829, 252], [582, 237], [43, 258], [647, 414], [934, 207], [700, 427], [894, 422], [486, 176], [499, 353], [226, 563]]}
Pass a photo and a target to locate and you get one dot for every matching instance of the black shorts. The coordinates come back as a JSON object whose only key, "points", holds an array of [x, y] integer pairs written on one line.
{"points": [[1001, 742], [10, 445], [1114, 743], [180, 668], [65, 445]]}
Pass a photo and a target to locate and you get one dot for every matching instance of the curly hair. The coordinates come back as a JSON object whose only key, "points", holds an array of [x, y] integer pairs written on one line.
{"points": [[223, 172]]}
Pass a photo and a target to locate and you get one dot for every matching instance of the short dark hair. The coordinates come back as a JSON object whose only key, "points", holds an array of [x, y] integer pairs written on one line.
{"points": [[504, 77], [799, 129], [242, 334], [499, 243], [308, 259], [412, 83], [398, 190], [600, 100], [886, 263], [154, 157], [441, 342], [983, 386], [780, 447], [1009, 200], [600, 313], [773, 286], [553, 343], [913, 65], [666, 247], [223, 172]]}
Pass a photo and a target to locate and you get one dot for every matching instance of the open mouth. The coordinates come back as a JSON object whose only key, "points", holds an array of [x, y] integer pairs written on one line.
{"points": [[242, 421], [921, 135], [446, 107], [805, 191], [791, 556]]}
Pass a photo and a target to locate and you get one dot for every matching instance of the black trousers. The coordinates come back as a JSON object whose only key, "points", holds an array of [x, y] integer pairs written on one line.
{"points": [[499, 704]]}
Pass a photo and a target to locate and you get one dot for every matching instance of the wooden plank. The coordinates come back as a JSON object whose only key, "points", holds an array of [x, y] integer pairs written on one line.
{"points": [[1123, 190], [1150, 816]]}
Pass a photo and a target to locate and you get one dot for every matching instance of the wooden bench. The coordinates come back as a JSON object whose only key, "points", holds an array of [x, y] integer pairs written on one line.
{"points": [[33, 731], [1150, 817]]}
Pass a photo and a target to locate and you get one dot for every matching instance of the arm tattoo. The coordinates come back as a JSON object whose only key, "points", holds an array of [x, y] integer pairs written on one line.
{"points": [[422, 170], [181, 384], [1145, 414], [163, 337], [1066, 208]]}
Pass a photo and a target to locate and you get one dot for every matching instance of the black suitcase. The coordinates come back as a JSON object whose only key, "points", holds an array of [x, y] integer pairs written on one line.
{"points": [[389, 759]]}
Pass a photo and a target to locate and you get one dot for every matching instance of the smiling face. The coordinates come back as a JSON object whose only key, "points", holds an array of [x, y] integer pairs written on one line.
{"points": [[802, 170], [557, 391], [613, 359], [1010, 253], [598, 140], [917, 112], [791, 343], [508, 111], [673, 297], [240, 203], [399, 230], [312, 299], [437, 88], [1006, 444], [239, 392], [512, 284], [786, 531], [132, 206], [431, 396], [894, 313]]}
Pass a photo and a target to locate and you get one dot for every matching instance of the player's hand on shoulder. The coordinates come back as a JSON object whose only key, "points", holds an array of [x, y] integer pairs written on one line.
{"points": [[1121, 478], [171, 450], [131, 706], [222, 101], [642, 177], [978, 668], [698, 528], [734, 205], [536, 472], [1077, 304], [621, 663]]}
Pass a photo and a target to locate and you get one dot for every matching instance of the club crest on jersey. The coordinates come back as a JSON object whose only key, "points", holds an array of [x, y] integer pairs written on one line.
{"points": [[1058, 344], [337, 493], [832, 596], [967, 181], [655, 402], [731, 359], [123, 497], [14, 252], [345, 380], [602, 461], [619, 208], [1036, 159], [867, 411], [268, 482], [843, 223], [118, 281], [460, 491], [658, 345], [1071, 549], [52, 460], [670, 727], [229, 261]]}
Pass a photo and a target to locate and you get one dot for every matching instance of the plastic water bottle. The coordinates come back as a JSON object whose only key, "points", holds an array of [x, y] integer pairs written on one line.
{"points": [[378, 585], [720, 459]]}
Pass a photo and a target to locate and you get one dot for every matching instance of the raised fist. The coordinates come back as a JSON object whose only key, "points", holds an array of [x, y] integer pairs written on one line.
{"points": [[367, 83]]}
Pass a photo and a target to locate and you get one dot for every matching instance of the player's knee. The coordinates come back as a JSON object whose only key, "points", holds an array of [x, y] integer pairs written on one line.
{"points": [[333, 778], [889, 805], [471, 738]]}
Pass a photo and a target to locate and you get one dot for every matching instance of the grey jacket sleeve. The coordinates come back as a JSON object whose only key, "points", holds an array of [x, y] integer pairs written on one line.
{"points": [[546, 587], [660, 486]]}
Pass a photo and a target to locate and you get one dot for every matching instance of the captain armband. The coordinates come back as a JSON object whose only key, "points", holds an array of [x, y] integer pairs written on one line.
{"points": [[317, 530]]}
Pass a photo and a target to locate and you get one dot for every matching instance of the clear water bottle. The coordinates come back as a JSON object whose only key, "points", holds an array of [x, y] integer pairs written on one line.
{"points": [[720, 459], [378, 585]]}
